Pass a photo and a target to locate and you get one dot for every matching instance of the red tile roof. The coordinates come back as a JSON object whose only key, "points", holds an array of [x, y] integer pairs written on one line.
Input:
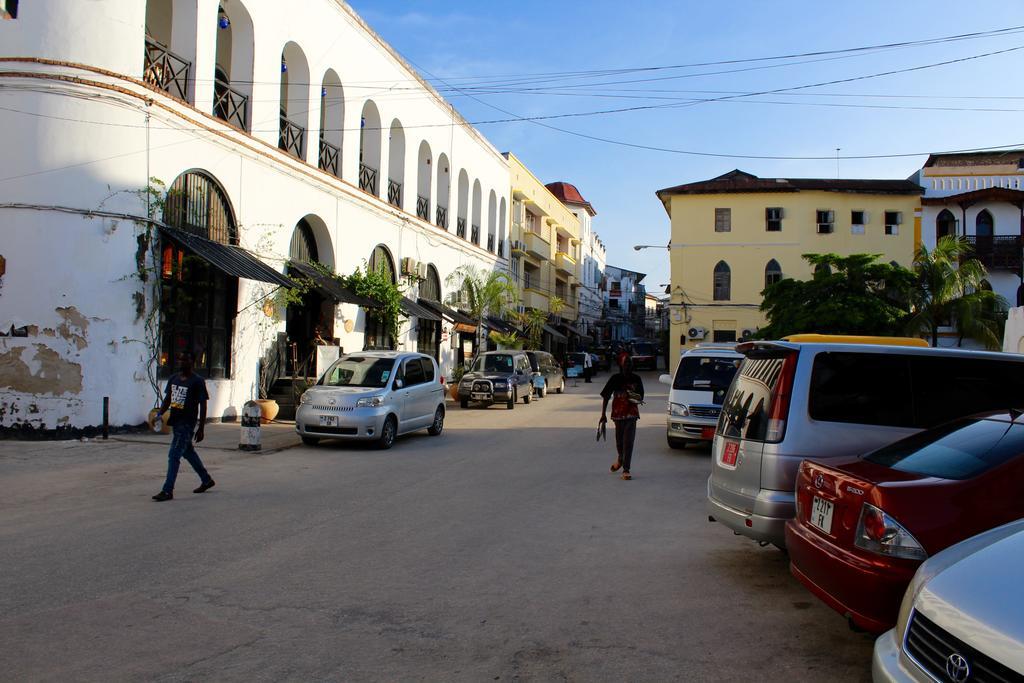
{"points": [[738, 181], [1006, 156], [568, 194]]}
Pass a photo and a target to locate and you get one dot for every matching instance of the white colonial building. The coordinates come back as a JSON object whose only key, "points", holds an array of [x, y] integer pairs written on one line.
{"points": [[169, 164]]}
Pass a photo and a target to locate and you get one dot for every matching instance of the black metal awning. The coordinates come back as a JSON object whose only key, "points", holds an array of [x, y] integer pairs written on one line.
{"points": [[555, 333], [571, 330], [449, 314], [502, 326], [331, 288], [410, 307], [229, 259]]}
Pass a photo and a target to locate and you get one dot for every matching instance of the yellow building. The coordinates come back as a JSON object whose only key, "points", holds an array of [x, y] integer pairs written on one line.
{"points": [[545, 244], [734, 234]]}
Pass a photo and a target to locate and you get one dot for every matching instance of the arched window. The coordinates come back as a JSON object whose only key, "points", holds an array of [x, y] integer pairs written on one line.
{"points": [[423, 178], [170, 48], [376, 335], [197, 302], [294, 101], [332, 123], [822, 269], [396, 164], [444, 182], [428, 333], [381, 261], [431, 287], [772, 273], [983, 224], [492, 221], [463, 205], [369, 148], [232, 85], [722, 282], [945, 224], [303, 244], [477, 211]]}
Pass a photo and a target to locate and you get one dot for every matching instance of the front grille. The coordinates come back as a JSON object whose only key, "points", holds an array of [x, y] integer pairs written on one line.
{"points": [[931, 646], [705, 411], [344, 431], [482, 386], [332, 409]]}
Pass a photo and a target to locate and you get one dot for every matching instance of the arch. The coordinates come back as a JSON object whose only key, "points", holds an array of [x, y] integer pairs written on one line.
{"points": [[369, 148], [428, 333], [382, 261], [430, 288], [772, 273], [822, 269], [477, 209], [945, 224], [463, 208], [396, 164], [722, 282], [232, 85], [196, 203], [295, 100], [423, 181], [502, 211], [332, 123], [444, 190], [984, 226], [303, 244], [492, 221]]}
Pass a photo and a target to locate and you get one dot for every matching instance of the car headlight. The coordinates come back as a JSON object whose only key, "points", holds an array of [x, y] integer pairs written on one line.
{"points": [[370, 402], [304, 398], [678, 410]]}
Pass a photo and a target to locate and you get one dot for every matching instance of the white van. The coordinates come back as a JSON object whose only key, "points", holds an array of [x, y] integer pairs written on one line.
{"points": [[697, 391]]}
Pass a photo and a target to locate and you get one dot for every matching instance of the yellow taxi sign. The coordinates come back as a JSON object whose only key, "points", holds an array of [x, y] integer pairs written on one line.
{"points": [[855, 339]]}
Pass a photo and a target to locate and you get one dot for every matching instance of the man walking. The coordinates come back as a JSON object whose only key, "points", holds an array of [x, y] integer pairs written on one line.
{"points": [[588, 367], [626, 392], [186, 398]]}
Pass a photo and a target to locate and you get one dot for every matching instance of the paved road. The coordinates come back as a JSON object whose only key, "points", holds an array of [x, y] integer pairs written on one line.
{"points": [[502, 550]]}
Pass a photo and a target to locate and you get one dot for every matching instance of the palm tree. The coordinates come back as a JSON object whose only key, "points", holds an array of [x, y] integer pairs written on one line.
{"points": [[490, 293], [951, 287], [534, 320]]}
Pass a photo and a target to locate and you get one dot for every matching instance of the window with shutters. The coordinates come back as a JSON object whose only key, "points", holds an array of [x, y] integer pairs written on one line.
{"points": [[723, 220], [722, 282], [825, 219], [892, 222], [773, 219]]}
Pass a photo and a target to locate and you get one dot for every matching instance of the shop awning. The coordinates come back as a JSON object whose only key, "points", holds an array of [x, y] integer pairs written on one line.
{"points": [[410, 307], [555, 333], [503, 326], [570, 330], [449, 314], [228, 259], [464, 328], [331, 288]]}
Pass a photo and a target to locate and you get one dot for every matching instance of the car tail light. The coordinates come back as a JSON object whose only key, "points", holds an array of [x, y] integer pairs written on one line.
{"points": [[778, 410], [880, 533], [442, 379]]}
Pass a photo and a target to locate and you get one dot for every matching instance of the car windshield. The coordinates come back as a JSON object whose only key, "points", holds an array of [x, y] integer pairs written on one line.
{"points": [[957, 450], [359, 371], [705, 373], [495, 362], [643, 350]]}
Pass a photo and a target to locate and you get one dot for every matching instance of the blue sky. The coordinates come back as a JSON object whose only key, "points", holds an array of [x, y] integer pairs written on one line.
{"points": [[931, 109]]}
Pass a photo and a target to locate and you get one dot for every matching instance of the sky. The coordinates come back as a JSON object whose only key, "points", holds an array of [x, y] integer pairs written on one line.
{"points": [[496, 60]]}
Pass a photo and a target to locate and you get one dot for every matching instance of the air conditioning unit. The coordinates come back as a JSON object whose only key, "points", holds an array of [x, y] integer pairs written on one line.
{"points": [[696, 333], [421, 270], [458, 299], [748, 332]]}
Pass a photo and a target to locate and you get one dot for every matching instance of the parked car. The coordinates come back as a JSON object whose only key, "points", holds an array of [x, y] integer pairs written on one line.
{"points": [[373, 395], [863, 527], [961, 615], [831, 400], [547, 373], [698, 388], [497, 377], [645, 356]]}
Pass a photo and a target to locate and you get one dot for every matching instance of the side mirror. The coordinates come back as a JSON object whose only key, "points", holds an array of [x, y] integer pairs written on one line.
{"points": [[665, 379], [399, 384]]}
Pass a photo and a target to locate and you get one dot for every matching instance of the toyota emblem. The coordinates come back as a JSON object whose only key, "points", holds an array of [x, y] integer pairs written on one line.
{"points": [[957, 668], [819, 481], [331, 401]]}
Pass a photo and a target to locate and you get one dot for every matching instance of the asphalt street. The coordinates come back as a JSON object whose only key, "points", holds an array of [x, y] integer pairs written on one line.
{"points": [[501, 550]]}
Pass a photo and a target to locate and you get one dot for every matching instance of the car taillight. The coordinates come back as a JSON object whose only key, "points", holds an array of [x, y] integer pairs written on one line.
{"points": [[880, 533], [778, 410]]}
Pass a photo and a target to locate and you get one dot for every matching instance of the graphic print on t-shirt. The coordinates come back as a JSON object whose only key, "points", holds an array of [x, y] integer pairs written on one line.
{"points": [[179, 394]]}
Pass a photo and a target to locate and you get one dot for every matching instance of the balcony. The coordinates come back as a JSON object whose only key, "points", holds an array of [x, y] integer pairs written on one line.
{"points": [[1001, 252], [229, 105], [292, 139], [367, 178], [490, 243], [329, 158], [475, 236], [531, 298], [394, 193], [165, 70], [460, 227], [565, 263], [423, 207], [501, 248], [536, 246], [442, 217]]}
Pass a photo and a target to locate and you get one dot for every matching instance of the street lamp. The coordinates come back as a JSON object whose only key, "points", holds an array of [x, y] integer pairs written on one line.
{"points": [[638, 247]]}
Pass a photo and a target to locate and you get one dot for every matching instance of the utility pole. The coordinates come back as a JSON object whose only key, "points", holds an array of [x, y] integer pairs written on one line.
{"points": [[837, 162]]}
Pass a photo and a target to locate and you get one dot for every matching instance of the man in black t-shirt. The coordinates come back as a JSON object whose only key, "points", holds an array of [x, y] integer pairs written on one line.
{"points": [[186, 398]]}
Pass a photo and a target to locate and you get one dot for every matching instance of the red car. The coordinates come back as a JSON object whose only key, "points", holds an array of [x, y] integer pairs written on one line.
{"points": [[862, 527]]}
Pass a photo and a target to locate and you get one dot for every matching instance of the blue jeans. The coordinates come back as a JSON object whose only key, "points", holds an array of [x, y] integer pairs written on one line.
{"points": [[181, 447]]}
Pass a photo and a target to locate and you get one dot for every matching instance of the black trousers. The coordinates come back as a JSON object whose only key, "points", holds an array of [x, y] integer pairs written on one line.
{"points": [[587, 372], [625, 434]]}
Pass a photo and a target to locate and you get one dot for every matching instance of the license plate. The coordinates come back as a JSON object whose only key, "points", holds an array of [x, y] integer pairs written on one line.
{"points": [[478, 395], [707, 432], [730, 453], [821, 514], [328, 420]]}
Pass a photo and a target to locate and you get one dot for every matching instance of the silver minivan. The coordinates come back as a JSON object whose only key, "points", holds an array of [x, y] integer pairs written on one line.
{"points": [[826, 400]]}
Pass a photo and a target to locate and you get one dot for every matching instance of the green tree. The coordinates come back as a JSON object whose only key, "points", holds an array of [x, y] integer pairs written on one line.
{"points": [[949, 289], [490, 293], [534, 320], [846, 295]]}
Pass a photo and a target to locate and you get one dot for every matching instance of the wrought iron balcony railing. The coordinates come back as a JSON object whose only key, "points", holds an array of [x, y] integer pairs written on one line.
{"points": [[229, 105], [442, 217], [490, 242], [460, 227], [501, 247], [1001, 252], [367, 178], [475, 234], [292, 138], [328, 160], [165, 70], [394, 193], [423, 207]]}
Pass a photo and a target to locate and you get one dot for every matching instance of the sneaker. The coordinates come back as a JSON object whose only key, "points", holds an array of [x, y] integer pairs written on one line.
{"points": [[626, 476], [162, 496], [205, 487]]}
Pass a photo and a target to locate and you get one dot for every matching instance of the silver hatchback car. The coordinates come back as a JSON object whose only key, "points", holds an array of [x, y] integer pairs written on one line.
{"points": [[373, 395]]}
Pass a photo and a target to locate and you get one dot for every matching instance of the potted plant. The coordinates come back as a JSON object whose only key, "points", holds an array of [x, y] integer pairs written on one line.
{"points": [[453, 386], [268, 406]]}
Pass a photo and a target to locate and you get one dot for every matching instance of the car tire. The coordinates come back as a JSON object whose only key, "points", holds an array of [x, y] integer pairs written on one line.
{"points": [[679, 444], [437, 426], [310, 440], [464, 403], [528, 398], [543, 391], [561, 386], [388, 433], [511, 401]]}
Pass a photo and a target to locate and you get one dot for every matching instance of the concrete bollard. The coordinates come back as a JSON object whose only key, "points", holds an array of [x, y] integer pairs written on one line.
{"points": [[250, 440]]}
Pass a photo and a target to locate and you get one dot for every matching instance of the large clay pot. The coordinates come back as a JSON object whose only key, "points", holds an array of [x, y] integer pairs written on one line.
{"points": [[268, 409], [453, 391], [164, 427]]}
